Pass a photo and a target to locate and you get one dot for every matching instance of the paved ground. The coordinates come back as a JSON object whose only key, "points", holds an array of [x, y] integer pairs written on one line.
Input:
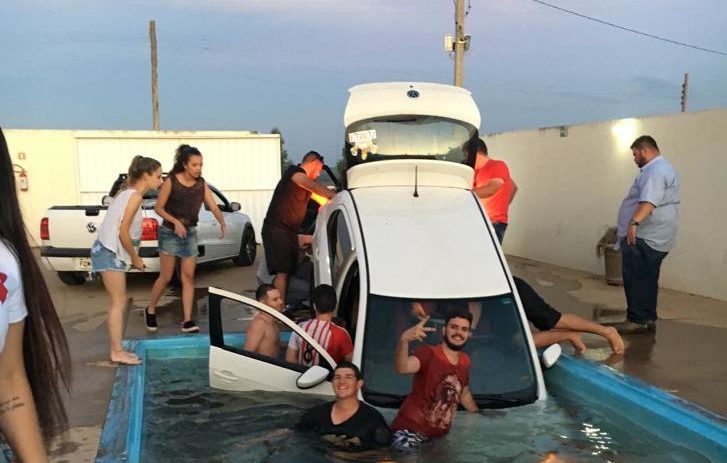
{"points": [[684, 356]]}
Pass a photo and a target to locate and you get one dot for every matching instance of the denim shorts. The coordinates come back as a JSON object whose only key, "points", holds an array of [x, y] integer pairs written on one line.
{"points": [[103, 259], [6, 453], [171, 244]]}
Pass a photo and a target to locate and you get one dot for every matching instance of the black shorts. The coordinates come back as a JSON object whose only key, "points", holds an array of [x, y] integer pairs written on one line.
{"points": [[541, 314], [281, 249]]}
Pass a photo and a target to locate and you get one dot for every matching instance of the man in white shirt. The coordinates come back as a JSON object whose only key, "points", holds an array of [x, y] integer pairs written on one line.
{"points": [[647, 226]]}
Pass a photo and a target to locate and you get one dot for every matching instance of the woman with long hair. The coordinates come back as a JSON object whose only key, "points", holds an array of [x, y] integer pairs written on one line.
{"points": [[180, 199], [34, 358], [116, 247]]}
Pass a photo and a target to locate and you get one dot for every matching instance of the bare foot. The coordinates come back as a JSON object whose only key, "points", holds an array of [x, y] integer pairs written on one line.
{"points": [[577, 342], [615, 339], [125, 358]]}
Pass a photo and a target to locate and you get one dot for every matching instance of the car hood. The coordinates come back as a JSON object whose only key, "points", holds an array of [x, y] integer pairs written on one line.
{"points": [[435, 245]]}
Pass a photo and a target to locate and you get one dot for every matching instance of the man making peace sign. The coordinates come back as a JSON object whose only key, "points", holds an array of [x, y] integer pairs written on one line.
{"points": [[441, 380]]}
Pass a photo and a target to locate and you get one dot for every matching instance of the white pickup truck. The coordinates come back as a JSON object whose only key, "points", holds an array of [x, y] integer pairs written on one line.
{"points": [[67, 233]]}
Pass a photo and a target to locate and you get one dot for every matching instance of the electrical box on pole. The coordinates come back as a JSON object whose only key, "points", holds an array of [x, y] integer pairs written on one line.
{"points": [[449, 43]]}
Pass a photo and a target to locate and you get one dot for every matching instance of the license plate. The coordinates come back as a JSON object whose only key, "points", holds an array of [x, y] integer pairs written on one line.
{"points": [[84, 263]]}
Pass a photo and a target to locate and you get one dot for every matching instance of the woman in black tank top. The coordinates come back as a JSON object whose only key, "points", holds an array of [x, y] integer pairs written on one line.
{"points": [[180, 199]]}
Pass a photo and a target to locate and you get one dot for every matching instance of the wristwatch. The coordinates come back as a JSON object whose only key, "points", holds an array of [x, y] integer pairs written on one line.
{"points": [[635, 223]]}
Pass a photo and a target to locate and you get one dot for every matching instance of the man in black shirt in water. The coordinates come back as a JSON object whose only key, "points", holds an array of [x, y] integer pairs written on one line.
{"points": [[347, 421]]}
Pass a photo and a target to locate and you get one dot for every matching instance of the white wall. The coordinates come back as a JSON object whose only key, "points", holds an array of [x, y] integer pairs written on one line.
{"points": [[571, 188], [78, 167]]}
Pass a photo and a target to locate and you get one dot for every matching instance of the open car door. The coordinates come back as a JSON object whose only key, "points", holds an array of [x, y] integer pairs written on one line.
{"points": [[233, 368]]}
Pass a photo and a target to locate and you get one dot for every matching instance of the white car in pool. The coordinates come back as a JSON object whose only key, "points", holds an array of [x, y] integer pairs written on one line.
{"points": [[406, 230]]}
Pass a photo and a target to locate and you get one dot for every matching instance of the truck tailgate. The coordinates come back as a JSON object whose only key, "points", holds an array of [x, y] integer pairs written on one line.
{"points": [[73, 226]]}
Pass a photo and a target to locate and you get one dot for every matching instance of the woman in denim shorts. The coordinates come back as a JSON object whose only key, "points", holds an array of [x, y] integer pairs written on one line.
{"points": [[180, 199], [116, 248]]}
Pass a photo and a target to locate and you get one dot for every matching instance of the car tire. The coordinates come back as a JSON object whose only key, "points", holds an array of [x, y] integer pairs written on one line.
{"points": [[248, 249], [72, 278]]}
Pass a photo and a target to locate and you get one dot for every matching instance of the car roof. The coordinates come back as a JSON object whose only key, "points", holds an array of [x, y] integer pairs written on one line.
{"points": [[433, 246]]}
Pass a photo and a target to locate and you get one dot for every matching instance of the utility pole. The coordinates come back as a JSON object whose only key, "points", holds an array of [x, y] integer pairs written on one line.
{"points": [[154, 74], [459, 44], [685, 89]]}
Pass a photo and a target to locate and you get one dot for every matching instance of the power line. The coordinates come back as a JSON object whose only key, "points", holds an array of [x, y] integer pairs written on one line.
{"points": [[600, 21]]}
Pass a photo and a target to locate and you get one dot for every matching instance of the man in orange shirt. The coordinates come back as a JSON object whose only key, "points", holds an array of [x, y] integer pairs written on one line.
{"points": [[494, 187]]}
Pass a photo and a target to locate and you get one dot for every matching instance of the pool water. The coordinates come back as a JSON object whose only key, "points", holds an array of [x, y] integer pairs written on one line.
{"points": [[186, 421]]}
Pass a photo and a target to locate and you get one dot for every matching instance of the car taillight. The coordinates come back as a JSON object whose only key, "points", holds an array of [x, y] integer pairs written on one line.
{"points": [[44, 231], [149, 229]]}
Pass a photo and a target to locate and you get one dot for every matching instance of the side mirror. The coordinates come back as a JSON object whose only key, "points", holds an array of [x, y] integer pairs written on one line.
{"points": [[235, 206], [312, 377], [551, 355], [106, 200]]}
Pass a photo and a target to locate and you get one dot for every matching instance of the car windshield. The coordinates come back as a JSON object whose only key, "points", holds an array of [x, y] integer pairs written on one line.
{"points": [[502, 373], [408, 136]]}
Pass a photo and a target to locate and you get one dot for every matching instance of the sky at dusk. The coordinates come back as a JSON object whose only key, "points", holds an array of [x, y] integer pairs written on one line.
{"points": [[256, 64]]}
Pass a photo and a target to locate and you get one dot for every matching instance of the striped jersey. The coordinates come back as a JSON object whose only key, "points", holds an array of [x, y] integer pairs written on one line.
{"points": [[334, 339]]}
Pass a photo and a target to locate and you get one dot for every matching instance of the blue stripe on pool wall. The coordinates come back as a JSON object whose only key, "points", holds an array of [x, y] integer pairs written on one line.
{"points": [[669, 417]]}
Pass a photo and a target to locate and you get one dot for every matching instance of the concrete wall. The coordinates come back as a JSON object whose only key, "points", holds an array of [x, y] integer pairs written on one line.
{"points": [[572, 180], [52, 169], [67, 167]]}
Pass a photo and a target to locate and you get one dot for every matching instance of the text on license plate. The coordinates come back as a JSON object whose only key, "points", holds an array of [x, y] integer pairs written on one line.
{"points": [[84, 263]]}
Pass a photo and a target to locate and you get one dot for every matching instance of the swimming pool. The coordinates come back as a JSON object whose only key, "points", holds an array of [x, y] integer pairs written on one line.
{"points": [[164, 411]]}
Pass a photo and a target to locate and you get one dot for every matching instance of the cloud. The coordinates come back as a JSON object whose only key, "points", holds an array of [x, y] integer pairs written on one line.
{"points": [[655, 86], [359, 15], [292, 9]]}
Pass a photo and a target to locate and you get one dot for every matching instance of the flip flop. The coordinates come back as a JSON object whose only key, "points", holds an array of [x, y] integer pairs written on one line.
{"points": [[133, 361]]}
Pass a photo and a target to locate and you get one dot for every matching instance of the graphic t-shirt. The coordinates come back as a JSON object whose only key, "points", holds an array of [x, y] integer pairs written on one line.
{"points": [[334, 339], [12, 297], [366, 424], [497, 204], [436, 391], [289, 202]]}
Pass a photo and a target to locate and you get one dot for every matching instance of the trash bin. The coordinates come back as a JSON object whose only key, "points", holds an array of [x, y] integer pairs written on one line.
{"points": [[611, 257]]}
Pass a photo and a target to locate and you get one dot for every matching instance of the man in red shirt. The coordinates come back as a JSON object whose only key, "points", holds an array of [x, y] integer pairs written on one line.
{"points": [[494, 186], [334, 339], [441, 380]]}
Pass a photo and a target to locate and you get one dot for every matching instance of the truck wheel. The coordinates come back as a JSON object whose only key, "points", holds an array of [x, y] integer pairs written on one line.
{"points": [[248, 249], [72, 278]]}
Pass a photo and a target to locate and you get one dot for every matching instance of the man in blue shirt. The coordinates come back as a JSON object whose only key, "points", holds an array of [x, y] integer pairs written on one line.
{"points": [[647, 226]]}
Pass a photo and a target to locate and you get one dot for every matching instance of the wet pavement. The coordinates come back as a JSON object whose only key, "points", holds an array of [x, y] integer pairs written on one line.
{"points": [[683, 357]]}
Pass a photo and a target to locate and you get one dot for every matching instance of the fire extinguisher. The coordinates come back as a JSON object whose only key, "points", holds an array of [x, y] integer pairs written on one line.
{"points": [[23, 181], [22, 177]]}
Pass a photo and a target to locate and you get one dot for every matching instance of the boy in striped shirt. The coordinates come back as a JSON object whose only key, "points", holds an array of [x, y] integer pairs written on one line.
{"points": [[330, 336]]}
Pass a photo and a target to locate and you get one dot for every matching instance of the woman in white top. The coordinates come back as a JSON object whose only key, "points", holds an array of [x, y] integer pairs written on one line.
{"points": [[116, 247], [33, 349]]}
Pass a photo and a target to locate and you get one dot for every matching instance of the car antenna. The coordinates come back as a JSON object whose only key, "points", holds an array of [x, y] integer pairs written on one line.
{"points": [[416, 181]]}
